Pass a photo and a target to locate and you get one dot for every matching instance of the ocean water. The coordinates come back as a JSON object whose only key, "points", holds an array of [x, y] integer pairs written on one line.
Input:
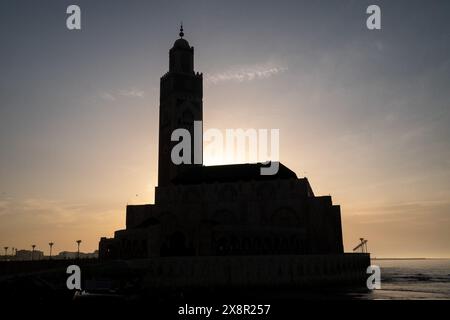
{"points": [[412, 279]]}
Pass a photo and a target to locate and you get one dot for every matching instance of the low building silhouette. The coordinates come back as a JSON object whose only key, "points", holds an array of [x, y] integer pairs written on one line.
{"points": [[24, 255], [75, 255]]}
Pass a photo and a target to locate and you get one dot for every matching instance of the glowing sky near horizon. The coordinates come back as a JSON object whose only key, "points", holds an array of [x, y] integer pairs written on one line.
{"points": [[363, 114]]}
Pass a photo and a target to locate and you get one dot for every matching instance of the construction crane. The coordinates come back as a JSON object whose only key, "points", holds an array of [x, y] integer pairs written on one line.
{"points": [[361, 246]]}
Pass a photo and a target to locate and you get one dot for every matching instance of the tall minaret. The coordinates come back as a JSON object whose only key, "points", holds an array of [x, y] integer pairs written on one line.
{"points": [[180, 104]]}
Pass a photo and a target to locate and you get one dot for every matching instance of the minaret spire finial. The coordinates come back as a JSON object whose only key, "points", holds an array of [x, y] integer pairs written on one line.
{"points": [[181, 30]]}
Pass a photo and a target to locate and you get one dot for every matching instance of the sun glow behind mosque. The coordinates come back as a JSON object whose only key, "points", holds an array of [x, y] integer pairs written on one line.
{"points": [[234, 146]]}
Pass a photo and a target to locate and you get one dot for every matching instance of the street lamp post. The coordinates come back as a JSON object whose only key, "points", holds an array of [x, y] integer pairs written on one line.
{"points": [[51, 245], [78, 252], [32, 252]]}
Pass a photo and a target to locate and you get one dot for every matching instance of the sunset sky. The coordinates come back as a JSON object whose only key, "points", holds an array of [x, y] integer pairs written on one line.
{"points": [[363, 114]]}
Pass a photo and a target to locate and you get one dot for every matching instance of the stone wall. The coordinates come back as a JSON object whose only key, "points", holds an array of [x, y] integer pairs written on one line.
{"points": [[256, 271]]}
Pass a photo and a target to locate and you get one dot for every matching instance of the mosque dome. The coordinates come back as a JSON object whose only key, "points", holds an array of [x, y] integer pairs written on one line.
{"points": [[181, 44]]}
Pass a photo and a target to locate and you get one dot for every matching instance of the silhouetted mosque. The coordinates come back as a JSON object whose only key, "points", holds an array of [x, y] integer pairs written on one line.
{"points": [[227, 226], [219, 210]]}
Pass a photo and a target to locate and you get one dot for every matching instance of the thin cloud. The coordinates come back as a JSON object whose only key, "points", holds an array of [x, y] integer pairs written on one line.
{"points": [[107, 96], [133, 93], [127, 93], [244, 74]]}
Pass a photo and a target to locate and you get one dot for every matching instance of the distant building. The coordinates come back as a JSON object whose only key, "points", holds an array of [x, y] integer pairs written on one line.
{"points": [[29, 255], [74, 255], [219, 210]]}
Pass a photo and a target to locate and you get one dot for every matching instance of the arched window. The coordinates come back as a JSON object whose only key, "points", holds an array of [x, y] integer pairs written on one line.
{"points": [[222, 246], [284, 217], [187, 119], [265, 191], [228, 193], [225, 217], [176, 244]]}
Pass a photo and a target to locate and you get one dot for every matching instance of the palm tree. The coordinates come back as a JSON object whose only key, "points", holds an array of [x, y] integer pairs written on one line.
{"points": [[78, 253], [6, 251], [51, 245], [32, 252]]}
